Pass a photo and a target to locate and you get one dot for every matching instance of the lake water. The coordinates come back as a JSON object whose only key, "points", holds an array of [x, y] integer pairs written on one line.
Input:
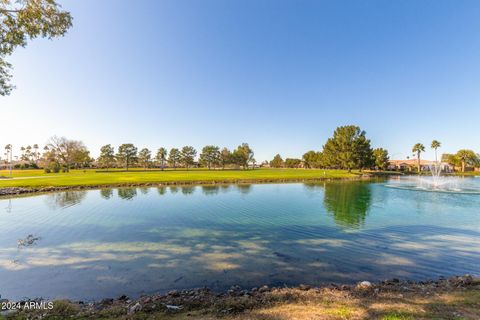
{"points": [[104, 243]]}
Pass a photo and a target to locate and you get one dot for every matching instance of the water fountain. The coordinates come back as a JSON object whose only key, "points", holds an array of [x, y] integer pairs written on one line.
{"points": [[437, 182]]}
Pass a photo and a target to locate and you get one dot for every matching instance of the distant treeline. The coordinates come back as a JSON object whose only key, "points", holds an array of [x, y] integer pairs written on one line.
{"points": [[348, 148]]}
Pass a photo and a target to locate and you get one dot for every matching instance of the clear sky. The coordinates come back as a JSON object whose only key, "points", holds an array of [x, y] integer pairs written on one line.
{"points": [[280, 75]]}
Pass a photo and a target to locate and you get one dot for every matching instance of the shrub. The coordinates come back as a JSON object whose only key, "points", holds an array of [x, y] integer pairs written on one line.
{"points": [[47, 170]]}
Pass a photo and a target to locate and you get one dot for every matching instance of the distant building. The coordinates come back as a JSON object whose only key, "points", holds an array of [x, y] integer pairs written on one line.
{"points": [[411, 164]]}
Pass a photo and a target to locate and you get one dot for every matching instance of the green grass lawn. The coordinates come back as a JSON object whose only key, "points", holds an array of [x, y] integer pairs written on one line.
{"points": [[37, 178]]}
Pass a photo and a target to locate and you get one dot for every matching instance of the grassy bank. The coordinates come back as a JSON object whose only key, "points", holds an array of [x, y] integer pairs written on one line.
{"points": [[37, 178], [456, 298]]}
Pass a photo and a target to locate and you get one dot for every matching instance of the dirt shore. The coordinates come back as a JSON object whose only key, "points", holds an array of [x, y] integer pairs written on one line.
{"points": [[452, 298]]}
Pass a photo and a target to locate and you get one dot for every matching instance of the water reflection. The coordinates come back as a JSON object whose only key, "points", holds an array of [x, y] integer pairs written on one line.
{"points": [[210, 190], [161, 190], [348, 202], [244, 188], [65, 199], [188, 190], [127, 193], [144, 190], [106, 193]]}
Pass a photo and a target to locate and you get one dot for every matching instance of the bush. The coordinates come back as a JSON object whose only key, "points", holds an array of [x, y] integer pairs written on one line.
{"points": [[47, 170]]}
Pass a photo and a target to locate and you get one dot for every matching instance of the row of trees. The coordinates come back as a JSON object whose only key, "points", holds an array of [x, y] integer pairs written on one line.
{"points": [[462, 158], [278, 162], [348, 149], [211, 156]]}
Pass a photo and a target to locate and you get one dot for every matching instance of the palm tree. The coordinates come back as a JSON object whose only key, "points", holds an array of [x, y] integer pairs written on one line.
{"points": [[435, 145], [161, 157], [418, 149]]}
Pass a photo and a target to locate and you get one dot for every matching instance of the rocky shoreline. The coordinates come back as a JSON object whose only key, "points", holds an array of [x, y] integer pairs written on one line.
{"points": [[236, 300], [14, 191]]}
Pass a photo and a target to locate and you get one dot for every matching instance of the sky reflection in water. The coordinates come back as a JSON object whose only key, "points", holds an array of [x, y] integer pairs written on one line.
{"points": [[104, 243]]}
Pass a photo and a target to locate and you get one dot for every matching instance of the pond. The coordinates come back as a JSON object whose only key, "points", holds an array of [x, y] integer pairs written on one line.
{"points": [[105, 243]]}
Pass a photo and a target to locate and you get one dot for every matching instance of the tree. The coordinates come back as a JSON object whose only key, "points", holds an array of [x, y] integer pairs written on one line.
{"points": [[174, 157], [21, 20], [107, 157], [161, 157], [467, 157], [210, 156], [145, 158], [187, 156], [381, 158], [277, 162], [8, 155], [292, 163], [127, 155], [418, 148], [68, 153], [313, 159], [36, 153], [225, 157], [243, 155], [435, 145], [347, 149], [451, 159]]}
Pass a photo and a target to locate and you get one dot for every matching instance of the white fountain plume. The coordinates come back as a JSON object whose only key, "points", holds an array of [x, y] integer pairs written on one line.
{"points": [[436, 171]]}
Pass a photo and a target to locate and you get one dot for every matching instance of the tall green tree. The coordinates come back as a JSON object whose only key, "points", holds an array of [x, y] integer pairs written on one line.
{"points": [[187, 156], [174, 157], [226, 157], [348, 149], [277, 162], [381, 158], [127, 155], [22, 20], [145, 158], [161, 157], [313, 159], [435, 145], [418, 148], [210, 156], [243, 155], [467, 157], [107, 157], [292, 163]]}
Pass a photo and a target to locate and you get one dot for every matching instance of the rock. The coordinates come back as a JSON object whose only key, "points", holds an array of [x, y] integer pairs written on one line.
{"points": [[174, 293], [364, 285], [304, 287], [264, 289], [173, 308], [123, 298], [135, 308]]}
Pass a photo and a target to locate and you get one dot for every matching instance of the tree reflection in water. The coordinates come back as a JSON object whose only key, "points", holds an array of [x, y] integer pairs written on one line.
{"points": [[348, 202], [106, 193], [244, 188], [65, 199], [210, 190], [144, 190], [188, 189], [161, 190], [127, 193]]}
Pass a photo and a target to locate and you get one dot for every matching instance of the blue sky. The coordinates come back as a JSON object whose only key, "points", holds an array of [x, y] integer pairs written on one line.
{"points": [[280, 75]]}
